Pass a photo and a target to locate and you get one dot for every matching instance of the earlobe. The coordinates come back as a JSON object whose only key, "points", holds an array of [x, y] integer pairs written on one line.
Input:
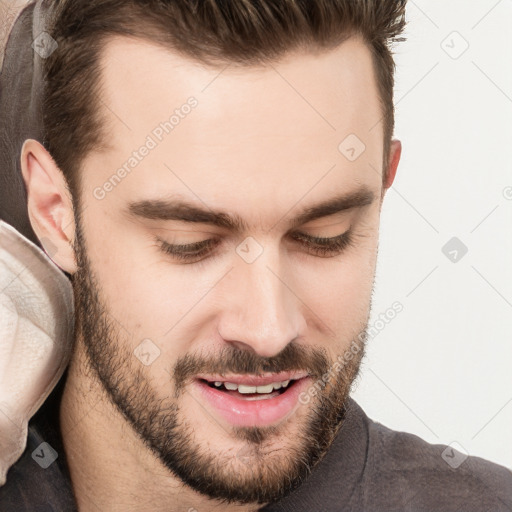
{"points": [[394, 158], [50, 208]]}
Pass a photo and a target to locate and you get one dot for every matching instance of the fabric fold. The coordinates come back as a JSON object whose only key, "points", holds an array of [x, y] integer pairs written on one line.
{"points": [[36, 336]]}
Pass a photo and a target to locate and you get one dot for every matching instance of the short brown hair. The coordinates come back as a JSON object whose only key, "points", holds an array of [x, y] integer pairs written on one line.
{"points": [[214, 32]]}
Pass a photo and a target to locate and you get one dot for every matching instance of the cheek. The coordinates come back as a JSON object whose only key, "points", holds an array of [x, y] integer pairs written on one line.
{"points": [[133, 283], [339, 290]]}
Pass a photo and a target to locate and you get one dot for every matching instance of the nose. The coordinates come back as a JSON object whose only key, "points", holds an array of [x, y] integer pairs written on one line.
{"points": [[261, 312]]}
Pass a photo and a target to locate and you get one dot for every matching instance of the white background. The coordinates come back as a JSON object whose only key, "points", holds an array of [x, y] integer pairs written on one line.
{"points": [[442, 368]]}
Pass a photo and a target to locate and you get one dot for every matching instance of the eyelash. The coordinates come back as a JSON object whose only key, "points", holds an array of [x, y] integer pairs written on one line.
{"points": [[318, 246]]}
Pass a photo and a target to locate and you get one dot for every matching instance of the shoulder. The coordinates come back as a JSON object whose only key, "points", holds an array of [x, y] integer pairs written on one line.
{"points": [[35, 480], [435, 476], [40, 479]]}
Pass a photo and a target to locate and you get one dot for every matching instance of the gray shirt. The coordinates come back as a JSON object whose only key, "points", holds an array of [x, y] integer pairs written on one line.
{"points": [[369, 467]]}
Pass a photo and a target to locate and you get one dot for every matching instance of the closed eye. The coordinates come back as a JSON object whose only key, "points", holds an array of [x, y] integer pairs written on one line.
{"points": [[318, 246], [325, 246]]}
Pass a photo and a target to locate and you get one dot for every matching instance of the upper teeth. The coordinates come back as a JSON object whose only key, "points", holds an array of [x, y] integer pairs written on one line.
{"points": [[242, 388]]}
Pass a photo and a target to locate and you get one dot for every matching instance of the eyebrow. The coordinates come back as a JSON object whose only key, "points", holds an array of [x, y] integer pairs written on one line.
{"points": [[182, 210]]}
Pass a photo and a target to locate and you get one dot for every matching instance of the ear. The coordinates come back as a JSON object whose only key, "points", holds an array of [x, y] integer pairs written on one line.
{"points": [[394, 157], [50, 207]]}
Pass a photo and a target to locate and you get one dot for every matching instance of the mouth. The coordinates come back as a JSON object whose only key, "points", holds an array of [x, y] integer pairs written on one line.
{"points": [[244, 404], [252, 392]]}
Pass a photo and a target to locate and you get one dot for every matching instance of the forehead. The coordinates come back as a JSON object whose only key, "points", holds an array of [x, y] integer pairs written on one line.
{"points": [[279, 124]]}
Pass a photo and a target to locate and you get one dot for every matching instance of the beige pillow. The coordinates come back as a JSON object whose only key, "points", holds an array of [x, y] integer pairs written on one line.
{"points": [[36, 337]]}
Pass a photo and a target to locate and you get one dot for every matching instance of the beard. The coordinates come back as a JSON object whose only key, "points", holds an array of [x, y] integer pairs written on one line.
{"points": [[255, 471]]}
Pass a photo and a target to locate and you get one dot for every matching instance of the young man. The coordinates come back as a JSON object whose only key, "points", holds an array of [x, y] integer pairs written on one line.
{"points": [[208, 177]]}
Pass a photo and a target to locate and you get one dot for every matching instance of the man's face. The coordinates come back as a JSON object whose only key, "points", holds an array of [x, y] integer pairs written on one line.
{"points": [[261, 145]]}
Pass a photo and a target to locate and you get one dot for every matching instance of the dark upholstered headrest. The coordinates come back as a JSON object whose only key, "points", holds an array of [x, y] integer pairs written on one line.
{"points": [[20, 118]]}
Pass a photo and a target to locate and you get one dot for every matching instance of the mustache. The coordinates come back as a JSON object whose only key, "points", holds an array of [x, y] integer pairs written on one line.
{"points": [[294, 357]]}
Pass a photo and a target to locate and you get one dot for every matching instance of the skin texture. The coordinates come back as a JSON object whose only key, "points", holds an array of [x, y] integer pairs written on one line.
{"points": [[261, 143]]}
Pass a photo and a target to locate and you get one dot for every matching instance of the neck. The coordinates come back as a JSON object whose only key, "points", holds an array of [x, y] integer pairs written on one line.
{"points": [[110, 466]]}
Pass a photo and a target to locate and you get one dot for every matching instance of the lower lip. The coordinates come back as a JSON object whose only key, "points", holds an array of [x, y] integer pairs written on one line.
{"points": [[249, 413]]}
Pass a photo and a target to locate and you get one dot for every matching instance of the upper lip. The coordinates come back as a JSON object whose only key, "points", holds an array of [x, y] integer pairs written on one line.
{"points": [[254, 380]]}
